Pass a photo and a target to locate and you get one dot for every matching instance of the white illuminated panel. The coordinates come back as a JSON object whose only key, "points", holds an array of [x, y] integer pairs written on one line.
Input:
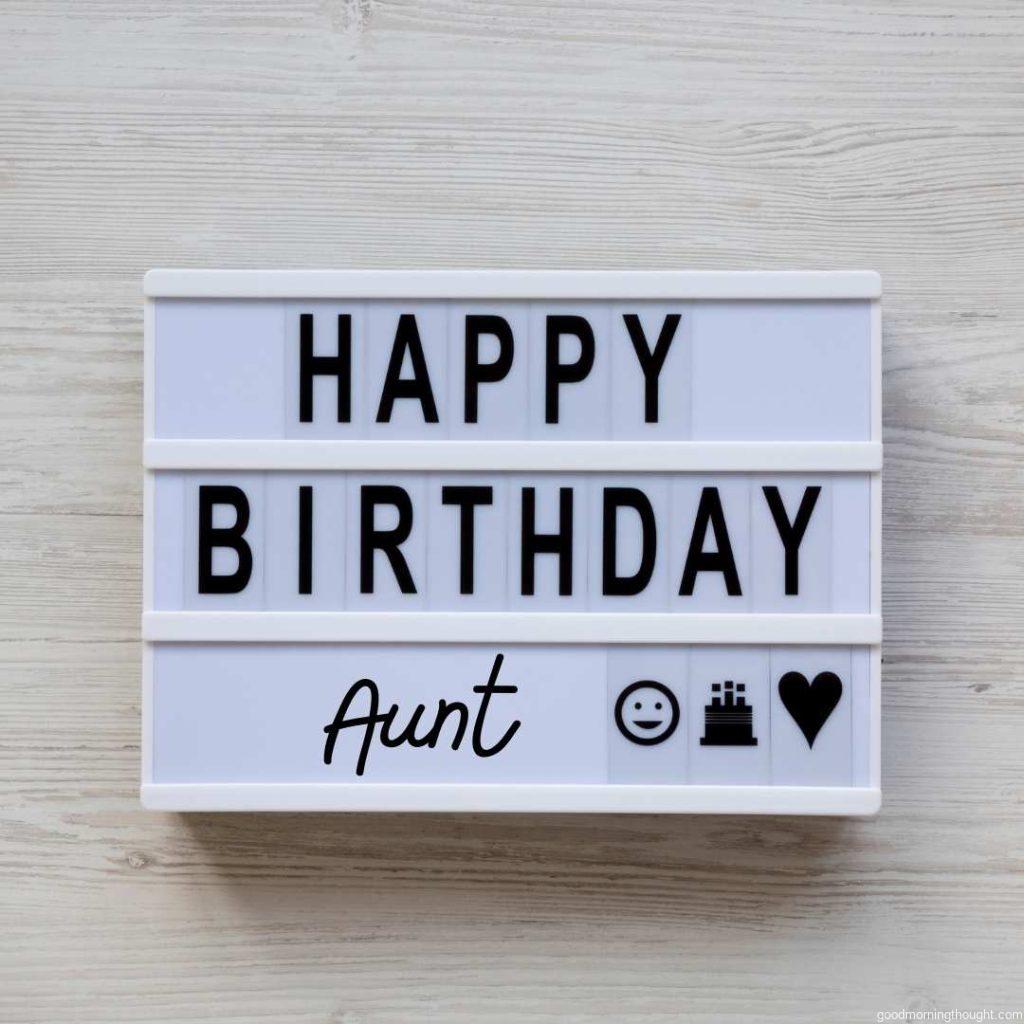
{"points": [[246, 713], [628, 541], [512, 541], [731, 370]]}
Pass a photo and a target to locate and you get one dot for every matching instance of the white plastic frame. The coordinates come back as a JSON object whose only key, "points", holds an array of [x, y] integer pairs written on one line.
{"points": [[606, 628]]}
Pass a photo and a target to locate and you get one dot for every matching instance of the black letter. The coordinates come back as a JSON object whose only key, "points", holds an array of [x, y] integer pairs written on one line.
{"points": [[444, 709], [467, 498], [388, 541], [651, 362], [489, 688], [486, 373], [339, 723], [709, 510], [408, 734], [559, 543], [407, 339], [614, 499], [311, 366], [233, 537], [792, 535], [305, 539], [565, 373]]}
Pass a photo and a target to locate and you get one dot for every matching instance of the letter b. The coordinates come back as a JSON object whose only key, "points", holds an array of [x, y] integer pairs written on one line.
{"points": [[232, 537]]}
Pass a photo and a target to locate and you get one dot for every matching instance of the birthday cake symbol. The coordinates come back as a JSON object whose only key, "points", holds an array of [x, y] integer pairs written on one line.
{"points": [[728, 719]]}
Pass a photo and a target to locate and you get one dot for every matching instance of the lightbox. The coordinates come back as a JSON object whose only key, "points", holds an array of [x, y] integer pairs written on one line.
{"points": [[512, 540]]}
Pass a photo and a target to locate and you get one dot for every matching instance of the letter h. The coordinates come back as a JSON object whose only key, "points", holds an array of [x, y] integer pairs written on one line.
{"points": [[311, 366]]}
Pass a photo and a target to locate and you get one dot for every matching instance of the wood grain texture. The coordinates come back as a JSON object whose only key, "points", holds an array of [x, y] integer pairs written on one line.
{"points": [[579, 133]]}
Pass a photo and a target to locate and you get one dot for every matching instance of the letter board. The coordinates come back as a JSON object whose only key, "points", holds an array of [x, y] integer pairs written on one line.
{"points": [[512, 540]]}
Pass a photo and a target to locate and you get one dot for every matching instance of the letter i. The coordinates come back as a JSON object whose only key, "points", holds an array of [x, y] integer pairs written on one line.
{"points": [[305, 539]]}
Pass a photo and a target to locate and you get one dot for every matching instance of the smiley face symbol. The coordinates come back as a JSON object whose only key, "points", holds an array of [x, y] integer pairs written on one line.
{"points": [[647, 712]]}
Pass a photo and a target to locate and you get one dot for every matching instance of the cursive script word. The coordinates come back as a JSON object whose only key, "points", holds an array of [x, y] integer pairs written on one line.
{"points": [[445, 710]]}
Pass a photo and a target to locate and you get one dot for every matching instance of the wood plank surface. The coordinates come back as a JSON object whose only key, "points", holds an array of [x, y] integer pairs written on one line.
{"points": [[477, 133]]}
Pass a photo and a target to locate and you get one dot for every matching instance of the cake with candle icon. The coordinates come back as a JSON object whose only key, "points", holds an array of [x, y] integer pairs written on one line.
{"points": [[728, 719]]}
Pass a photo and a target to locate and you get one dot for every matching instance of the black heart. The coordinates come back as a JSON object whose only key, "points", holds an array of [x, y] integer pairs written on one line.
{"points": [[810, 704]]}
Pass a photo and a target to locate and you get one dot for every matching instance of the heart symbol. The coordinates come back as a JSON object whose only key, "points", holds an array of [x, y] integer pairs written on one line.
{"points": [[810, 704]]}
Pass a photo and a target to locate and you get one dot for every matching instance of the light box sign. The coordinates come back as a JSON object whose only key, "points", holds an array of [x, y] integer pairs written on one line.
{"points": [[533, 541]]}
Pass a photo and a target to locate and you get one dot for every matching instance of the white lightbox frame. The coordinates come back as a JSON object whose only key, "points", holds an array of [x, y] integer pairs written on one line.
{"points": [[513, 627]]}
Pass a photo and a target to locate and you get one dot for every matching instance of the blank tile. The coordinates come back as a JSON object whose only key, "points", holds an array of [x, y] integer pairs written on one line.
{"points": [[217, 366], [862, 692], [781, 371], [851, 542], [169, 541]]}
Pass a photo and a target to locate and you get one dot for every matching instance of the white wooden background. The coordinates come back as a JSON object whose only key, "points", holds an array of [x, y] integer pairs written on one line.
{"points": [[885, 134]]}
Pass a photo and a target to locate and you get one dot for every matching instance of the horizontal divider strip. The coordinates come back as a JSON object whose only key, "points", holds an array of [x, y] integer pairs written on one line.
{"points": [[496, 456], [510, 627], [539, 285], [483, 797]]}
